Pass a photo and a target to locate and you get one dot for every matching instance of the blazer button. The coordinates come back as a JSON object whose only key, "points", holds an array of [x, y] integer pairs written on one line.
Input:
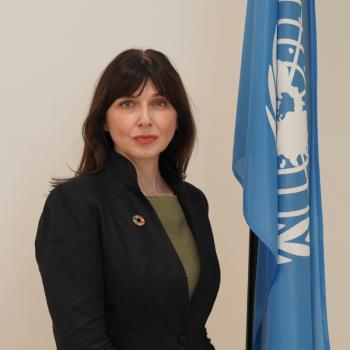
{"points": [[182, 338]]}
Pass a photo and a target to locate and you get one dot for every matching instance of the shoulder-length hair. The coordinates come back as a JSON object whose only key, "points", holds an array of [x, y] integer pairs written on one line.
{"points": [[122, 77]]}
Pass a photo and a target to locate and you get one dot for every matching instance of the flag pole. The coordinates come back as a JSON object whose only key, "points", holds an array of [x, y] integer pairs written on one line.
{"points": [[253, 247]]}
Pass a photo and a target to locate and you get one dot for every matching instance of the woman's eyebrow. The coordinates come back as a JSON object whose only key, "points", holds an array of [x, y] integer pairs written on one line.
{"points": [[134, 96]]}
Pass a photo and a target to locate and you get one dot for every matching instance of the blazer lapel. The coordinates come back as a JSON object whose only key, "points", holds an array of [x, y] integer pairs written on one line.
{"points": [[152, 241]]}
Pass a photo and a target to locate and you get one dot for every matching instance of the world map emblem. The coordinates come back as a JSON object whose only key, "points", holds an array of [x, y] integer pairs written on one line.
{"points": [[287, 116]]}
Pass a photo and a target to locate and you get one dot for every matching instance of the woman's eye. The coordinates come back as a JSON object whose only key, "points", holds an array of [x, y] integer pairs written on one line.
{"points": [[126, 103], [161, 103]]}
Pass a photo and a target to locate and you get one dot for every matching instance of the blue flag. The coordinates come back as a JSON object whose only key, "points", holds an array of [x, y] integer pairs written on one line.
{"points": [[275, 159]]}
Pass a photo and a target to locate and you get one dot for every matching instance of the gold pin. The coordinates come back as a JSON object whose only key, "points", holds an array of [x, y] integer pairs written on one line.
{"points": [[138, 220]]}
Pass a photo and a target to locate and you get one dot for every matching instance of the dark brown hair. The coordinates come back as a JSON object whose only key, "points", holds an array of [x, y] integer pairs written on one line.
{"points": [[122, 77]]}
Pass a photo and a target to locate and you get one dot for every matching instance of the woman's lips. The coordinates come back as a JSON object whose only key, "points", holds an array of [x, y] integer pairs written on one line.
{"points": [[145, 139]]}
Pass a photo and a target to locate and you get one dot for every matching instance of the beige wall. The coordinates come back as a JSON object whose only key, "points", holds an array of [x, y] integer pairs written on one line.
{"points": [[51, 55]]}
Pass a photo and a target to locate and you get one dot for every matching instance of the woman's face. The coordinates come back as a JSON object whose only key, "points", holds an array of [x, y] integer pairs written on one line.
{"points": [[147, 113]]}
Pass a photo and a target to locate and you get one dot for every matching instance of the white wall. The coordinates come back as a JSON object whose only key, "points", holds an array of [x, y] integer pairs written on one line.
{"points": [[52, 53]]}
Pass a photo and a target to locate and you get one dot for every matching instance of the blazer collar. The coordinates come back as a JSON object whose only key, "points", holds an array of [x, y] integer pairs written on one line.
{"points": [[125, 172]]}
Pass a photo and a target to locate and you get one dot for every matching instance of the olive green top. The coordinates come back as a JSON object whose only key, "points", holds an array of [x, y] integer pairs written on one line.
{"points": [[175, 224]]}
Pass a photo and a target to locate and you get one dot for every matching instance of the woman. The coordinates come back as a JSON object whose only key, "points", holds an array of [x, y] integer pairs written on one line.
{"points": [[125, 247]]}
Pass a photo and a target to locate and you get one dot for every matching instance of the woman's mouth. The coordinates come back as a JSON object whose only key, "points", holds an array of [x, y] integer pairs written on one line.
{"points": [[145, 139]]}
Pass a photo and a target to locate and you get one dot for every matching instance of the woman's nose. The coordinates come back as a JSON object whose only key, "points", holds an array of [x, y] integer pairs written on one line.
{"points": [[145, 114]]}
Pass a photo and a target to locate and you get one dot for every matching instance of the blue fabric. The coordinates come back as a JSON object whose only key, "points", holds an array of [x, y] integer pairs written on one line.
{"points": [[275, 159]]}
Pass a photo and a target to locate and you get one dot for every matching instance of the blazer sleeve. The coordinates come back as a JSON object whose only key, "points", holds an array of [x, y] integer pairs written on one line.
{"points": [[69, 256], [204, 198], [206, 202], [209, 343]]}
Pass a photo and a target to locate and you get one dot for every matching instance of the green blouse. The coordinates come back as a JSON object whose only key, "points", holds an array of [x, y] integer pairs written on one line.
{"points": [[175, 224]]}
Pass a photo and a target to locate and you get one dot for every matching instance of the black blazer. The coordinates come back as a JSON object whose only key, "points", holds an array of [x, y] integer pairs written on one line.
{"points": [[113, 284]]}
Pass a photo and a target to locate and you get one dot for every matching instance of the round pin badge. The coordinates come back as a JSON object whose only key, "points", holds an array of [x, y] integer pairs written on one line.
{"points": [[138, 220]]}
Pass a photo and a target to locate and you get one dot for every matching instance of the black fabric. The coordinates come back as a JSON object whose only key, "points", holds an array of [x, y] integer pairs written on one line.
{"points": [[113, 285], [252, 260]]}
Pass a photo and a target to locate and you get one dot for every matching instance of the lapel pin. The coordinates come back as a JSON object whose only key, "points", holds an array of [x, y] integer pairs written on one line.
{"points": [[138, 220]]}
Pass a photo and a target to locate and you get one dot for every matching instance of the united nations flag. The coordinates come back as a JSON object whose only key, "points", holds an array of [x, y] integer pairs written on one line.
{"points": [[275, 159]]}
